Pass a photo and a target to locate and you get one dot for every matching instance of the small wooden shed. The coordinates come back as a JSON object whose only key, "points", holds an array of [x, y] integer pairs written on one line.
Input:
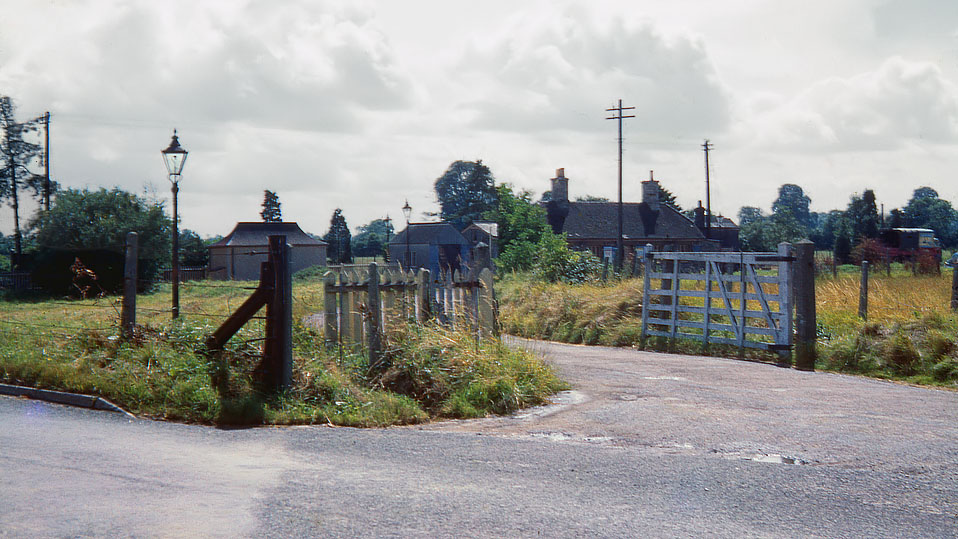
{"points": [[239, 255]]}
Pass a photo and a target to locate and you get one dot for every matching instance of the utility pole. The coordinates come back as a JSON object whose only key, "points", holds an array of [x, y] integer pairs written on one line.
{"points": [[46, 161], [708, 197], [619, 242]]}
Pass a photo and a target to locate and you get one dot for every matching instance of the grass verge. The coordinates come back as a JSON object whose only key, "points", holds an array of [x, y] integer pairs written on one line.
{"points": [[74, 345]]}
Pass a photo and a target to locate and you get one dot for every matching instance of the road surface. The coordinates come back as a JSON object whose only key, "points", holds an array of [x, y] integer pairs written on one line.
{"points": [[649, 445]]}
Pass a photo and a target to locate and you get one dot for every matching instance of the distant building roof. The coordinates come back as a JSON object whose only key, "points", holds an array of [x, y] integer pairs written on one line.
{"points": [[587, 220], [487, 227], [258, 233], [430, 234]]}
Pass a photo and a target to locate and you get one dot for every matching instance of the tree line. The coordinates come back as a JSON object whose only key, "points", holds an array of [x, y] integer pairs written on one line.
{"points": [[841, 230]]}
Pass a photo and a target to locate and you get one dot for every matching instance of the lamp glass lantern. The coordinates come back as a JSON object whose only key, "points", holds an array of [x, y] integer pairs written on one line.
{"points": [[174, 156]]}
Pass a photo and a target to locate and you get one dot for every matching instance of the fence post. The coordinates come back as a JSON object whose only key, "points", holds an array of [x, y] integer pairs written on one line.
{"points": [[373, 302], [128, 316], [487, 302], [423, 291], [646, 289], [863, 293], [954, 288], [785, 294], [605, 269], [330, 316], [805, 322], [277, 371]]}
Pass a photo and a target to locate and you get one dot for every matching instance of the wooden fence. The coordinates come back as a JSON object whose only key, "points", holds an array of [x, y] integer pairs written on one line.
{"points": [[359, 304], [15, 280]]}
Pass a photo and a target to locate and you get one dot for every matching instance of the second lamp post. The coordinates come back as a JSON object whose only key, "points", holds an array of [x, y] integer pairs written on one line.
{"points": [[175, 157]]}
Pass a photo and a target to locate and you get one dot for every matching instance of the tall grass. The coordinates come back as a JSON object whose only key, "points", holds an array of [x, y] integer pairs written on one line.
{"points": [[910, 333], [74, 345]]}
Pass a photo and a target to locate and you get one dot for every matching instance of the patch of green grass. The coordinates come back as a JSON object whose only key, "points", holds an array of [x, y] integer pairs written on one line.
{"points": [[74, 345]]}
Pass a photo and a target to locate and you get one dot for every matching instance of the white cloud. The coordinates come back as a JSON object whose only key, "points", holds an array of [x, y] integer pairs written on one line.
{"points": [[554, 72], [895, 104]]}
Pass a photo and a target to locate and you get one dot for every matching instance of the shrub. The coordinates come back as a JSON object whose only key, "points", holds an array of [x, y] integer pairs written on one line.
{"points": [[900, 354]]}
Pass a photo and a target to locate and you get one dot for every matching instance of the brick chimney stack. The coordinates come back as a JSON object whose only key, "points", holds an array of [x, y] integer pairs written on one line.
{"points": [[560, 186]]}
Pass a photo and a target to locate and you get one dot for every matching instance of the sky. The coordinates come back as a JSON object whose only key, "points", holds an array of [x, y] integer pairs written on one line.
{"points": [[361, 105]]}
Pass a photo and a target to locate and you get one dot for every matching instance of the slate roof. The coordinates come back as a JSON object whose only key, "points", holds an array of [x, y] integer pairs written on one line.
{"points": [[599, 220], [487, 227], [257, 234], [430, 234]]}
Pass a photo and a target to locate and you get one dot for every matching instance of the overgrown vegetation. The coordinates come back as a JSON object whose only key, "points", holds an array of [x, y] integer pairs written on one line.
{"points": [[433, 372], [910, 335]]}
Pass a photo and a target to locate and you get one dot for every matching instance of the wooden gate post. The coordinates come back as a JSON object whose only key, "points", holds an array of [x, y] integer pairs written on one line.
{"points": [[786, 293], [373, 303], [646, 291], [128, 315], [805, 322], [278, 374], [863, 293]]}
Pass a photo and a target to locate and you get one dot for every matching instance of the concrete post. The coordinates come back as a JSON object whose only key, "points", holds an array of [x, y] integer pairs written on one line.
{"points": [[128, 315], [805, 322]]}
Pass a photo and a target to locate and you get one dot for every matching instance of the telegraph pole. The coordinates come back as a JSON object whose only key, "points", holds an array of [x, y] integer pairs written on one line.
{"points": [[708, 199], [46, 161], [619, 242]]}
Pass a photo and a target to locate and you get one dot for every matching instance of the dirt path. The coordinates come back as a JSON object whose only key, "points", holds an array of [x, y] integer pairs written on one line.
{"points": [[738, 409]]}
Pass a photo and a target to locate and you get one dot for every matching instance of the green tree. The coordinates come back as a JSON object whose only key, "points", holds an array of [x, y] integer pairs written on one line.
{"points": [[862, 216], [193, 249], [666, 197], [764, 233], [749, 214], [465, 192], [371, 238], [522, 224], [17, 155], [271, 208], [89, 220], [338, 238], [792, 199], [926, 210]]}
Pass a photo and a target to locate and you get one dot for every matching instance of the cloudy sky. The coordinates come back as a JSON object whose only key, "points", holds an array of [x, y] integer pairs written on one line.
{"points": [[361, 104]]}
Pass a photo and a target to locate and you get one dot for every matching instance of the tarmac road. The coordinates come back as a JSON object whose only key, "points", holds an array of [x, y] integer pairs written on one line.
{"points": [[655, 446]]}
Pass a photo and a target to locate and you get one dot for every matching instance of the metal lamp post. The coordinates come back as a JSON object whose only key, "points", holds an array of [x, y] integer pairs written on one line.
{"points": [[388, 221], [407, 212], [174, 156]]}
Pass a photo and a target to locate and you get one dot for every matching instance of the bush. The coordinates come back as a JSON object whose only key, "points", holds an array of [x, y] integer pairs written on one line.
{"points": [[900, 354], [555, 262]]}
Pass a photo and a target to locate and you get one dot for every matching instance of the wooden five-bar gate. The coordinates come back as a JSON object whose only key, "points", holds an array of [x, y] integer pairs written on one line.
{"points": [[739, 299]]}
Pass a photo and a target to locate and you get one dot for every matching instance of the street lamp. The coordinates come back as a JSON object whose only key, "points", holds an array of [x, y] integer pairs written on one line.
{"points": [[407, 211], [174, 156], [388, 222]]}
